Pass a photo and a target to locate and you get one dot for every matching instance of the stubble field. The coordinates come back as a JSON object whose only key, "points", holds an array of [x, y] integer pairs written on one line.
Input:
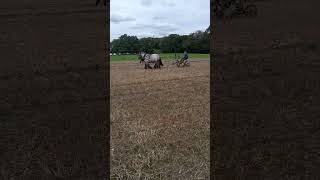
{"points": [[160, 121]]}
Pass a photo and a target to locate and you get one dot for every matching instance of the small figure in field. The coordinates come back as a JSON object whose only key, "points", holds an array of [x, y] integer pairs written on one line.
{"points": [[104, 2], [183, 61], [185, 56]]}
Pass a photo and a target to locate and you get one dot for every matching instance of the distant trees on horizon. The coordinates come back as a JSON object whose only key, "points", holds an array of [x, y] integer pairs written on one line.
{"points": [[197, 42]]}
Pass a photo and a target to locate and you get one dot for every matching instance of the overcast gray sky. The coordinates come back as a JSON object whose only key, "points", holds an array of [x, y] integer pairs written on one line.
{"points": [[148, 18]]}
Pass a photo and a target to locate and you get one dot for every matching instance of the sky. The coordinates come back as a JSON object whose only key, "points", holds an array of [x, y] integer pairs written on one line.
{"points": [[158, 18]]}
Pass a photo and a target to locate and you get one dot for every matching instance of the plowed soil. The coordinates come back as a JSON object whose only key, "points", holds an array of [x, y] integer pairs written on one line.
{"points": [[160, 121]]}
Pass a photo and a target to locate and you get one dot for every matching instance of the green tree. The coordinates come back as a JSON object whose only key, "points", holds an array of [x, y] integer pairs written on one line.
{"points": [[171, 43], [149, 45], [197, 42], [125, 44]]}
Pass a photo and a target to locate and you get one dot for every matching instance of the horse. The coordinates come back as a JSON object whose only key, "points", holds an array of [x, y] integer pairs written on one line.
{"points": [[150, 59]]}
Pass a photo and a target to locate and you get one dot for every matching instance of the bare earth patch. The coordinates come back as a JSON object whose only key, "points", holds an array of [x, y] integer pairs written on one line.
{"points": [[160, 121]]}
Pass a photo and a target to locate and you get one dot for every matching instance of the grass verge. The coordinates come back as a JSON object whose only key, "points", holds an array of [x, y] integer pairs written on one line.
{"points": [[164, 56]]}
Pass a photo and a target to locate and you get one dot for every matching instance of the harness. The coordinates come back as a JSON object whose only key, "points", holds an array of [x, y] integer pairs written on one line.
{"points": [[148, 60]]}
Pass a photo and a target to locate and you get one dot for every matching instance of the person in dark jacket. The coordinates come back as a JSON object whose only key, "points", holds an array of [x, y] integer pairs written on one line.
{"points": [[185, 55]]}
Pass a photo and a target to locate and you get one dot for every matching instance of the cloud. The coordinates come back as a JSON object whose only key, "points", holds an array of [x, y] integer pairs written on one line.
{"points": [[168, 3], [146, 2], [158, 18], [143, 35], [150, 30], [116, 18], [167, 28], [165, 3], [163, 34]]}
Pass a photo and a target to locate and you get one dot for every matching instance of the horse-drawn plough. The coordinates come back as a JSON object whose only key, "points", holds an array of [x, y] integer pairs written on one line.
{"points": [[181, 62], [153, 61]]}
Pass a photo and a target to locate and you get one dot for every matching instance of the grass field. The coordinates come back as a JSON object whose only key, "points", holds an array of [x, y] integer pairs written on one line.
{"points": [[164, 56]]}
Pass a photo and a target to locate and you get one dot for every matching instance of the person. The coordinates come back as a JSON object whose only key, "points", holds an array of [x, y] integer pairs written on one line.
{"points": [[185, 56]]}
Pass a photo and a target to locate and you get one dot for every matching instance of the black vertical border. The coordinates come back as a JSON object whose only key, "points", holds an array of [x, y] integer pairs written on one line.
{"points": [[37, 134], [278, 137], [108, 87], [211, 88]]}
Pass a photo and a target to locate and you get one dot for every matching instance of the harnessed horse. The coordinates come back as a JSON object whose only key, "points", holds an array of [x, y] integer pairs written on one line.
{"points": [[150, 59]]}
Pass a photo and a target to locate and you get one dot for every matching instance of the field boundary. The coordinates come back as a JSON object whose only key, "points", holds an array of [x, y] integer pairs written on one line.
{"points": [[165, 60]]}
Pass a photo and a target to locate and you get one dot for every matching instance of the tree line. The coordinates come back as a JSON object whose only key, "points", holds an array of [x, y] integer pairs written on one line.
{"points": [[197, 42]]}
